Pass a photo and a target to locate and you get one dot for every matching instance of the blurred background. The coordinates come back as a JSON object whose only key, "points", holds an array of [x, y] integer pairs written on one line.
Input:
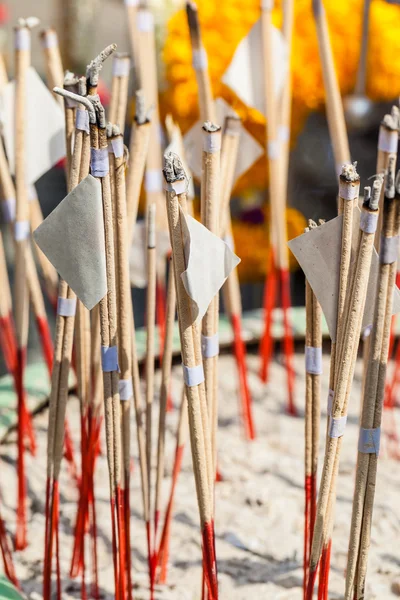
{"points": [[362, 32]]}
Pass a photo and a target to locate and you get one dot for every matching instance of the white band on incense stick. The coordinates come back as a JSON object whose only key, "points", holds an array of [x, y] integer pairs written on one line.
{"points": [[32, 195], [199, 59], [388, 140], [212, 142], [369, 441], [121, 67], [273, 150], [228, 239], [179, 187], [9, 209], [117, 145], [337, 425], [347, 191], [66, 307], [209, 345], [131, 2], [331, 395], [313, 360], [99, 164], [366, 332], [50, 40], [389, 249], [82, 120], [283, 133], [145, 21], [21, 230], [153, 180], [368, 221], [193, 375], [125, 389], [267, 4], [22, 39], [109, 358]]}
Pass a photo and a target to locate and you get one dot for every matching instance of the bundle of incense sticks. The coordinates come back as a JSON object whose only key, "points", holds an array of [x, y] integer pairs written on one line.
{"points": [[351, 303], [372, 406], [277, 151], [313, 355]]}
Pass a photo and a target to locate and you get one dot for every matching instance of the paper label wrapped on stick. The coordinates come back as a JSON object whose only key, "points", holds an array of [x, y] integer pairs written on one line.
{"points": [[72, 238], [44, 119], [249, 149], [138, 254], [209, 261], [245, 74], [318, 253]]}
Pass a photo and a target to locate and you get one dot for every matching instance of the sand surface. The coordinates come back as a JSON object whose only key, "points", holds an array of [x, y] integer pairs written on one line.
{"points": [[259, 504]]}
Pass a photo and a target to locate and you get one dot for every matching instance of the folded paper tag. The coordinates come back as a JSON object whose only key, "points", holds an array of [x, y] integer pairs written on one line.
{"points": [[249, 149], [369, 441], [72, 238], [44, 121], [138, 254], [318, 253], [244, 74], [209, 261]]}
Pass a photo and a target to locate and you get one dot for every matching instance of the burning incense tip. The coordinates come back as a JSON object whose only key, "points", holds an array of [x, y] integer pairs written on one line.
{"points": [[94, 68], [211, 127], [29, 22], [376, 192], [193, 22], [312, 224], [391, 121], [173, 169], [349, 172], [390, 176]]}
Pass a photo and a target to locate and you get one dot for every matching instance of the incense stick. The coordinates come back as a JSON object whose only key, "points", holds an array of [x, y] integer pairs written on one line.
{"points": [[119, 89], [53, 63], [191, 355]]}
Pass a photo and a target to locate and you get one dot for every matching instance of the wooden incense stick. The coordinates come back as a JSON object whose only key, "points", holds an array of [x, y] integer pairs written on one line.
{"points": [[191, 356], [53, 63], [210, 194], [200, 65], [119, 89], [131, 10], [345, 359], [231, 288], [369, 432]]}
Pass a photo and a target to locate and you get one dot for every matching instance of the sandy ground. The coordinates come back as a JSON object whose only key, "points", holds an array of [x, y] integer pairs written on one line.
{"points": [[259, 505]]}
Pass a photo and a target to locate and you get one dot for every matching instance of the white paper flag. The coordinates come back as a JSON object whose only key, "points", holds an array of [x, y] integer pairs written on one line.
{"points": [[72, 238], [138, 254], [249, 149], [245, 74], [45, 137], [318, 253], [209, 261]]}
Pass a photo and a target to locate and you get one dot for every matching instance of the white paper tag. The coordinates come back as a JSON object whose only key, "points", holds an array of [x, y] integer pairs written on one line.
{"points": [[193, 375], [388, 140], [337, 426], [50, 39], [125, 389], [318, 253], [23, 39], [82, 120], [249, 149], [349, 191], [244, 74], [99, 163], [131, 2], [209, 262], [72, 238], [117, 145], [145, 21], [66, 307], [209, 345], [45, 125], [212, 142], [199, 59], [389, 249], [179, 187], [121, 67], [22, 230], [109, 358], [8, 207], [153, 180], [369, 441], [368, 221], [313, 360]]}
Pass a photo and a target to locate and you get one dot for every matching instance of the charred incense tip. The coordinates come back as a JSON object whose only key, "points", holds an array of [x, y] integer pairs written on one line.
{"points": [[109, 131], [312, 224], [71, 81], [100, 112], [193, 22], [397, 182], [94, 68], [116, 130], [367, 195], [376, 192], [81, 99], [391, 121], [173, 169], [211, 127], [45, 32], [321, 221], [82, 86], [28, 22], [232, 124], [316, 8], [390, 176], [140, 110], [349, 173]]}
